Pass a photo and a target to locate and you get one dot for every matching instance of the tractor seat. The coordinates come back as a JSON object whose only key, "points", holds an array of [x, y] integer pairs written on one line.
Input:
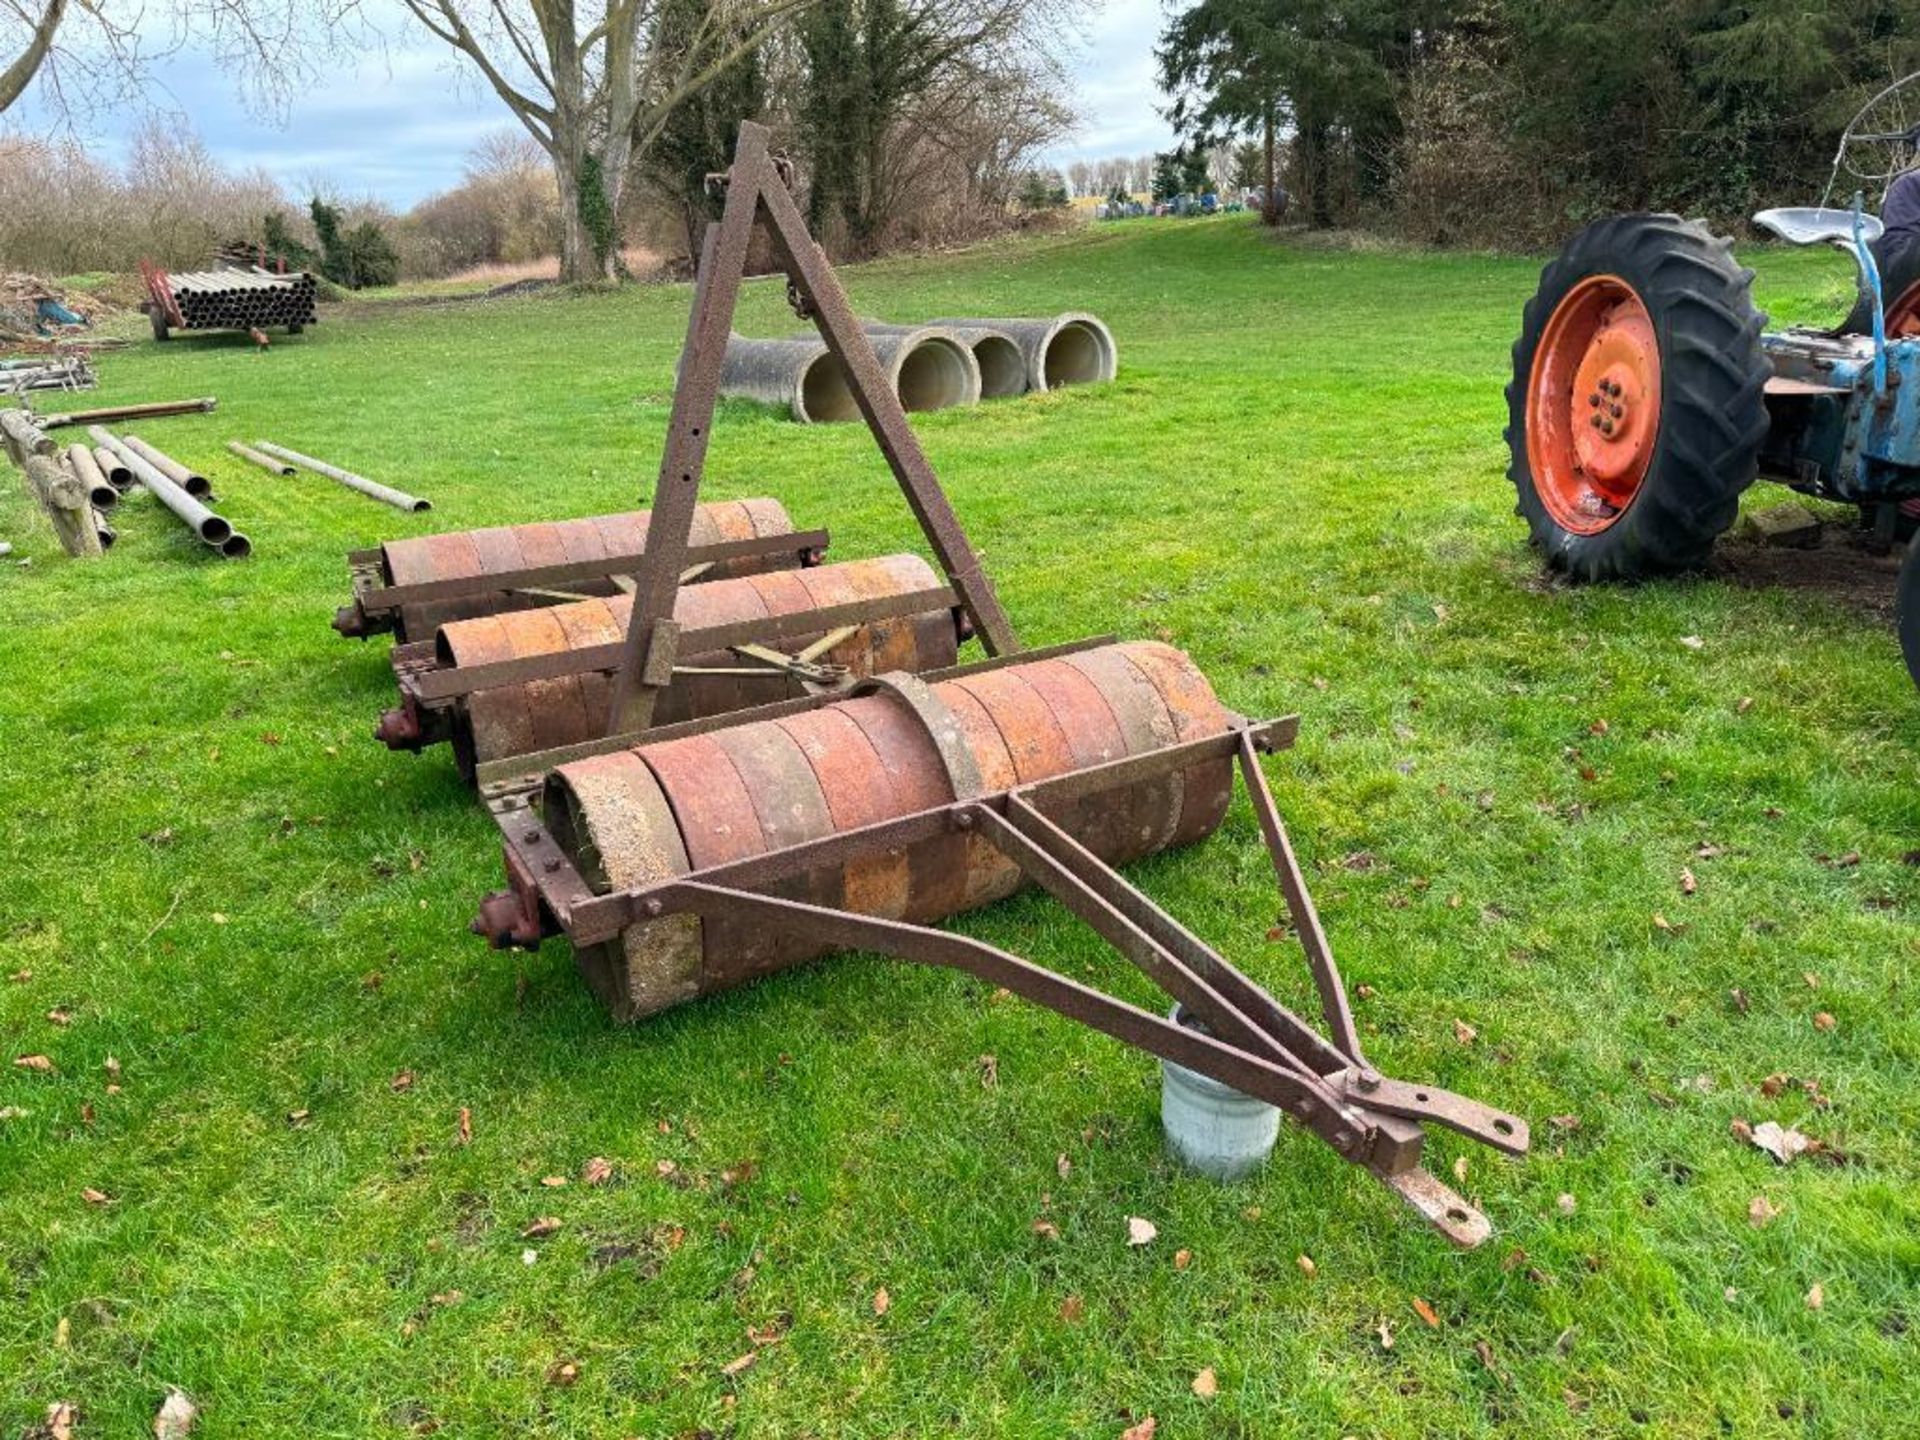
{"points": [[1817, 224]]}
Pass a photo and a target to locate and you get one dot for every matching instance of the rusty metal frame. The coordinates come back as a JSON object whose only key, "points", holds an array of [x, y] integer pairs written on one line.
{"points": [[441, 685], [757, 193], [380, 597], [1250, 1041]]}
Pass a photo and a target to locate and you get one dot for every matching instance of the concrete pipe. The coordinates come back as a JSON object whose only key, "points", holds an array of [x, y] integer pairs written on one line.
{"points": [[541, 714], [1070, 349], [506, 549], [1003, 367], [929, 369], [659, 810]]}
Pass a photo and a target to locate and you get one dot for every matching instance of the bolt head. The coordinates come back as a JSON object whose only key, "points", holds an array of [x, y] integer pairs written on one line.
{"points": [[1368, 1080], [653, 907], [532, 837], [1596, 422]]}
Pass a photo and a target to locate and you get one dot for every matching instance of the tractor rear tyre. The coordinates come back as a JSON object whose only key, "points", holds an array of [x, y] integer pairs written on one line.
{"points": [[1906, 609], [1637, 406], [1899, 287]]}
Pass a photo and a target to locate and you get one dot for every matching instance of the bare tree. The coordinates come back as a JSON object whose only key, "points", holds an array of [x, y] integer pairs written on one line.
{"points": [[594, 84], [40, 29], [93, 55]]}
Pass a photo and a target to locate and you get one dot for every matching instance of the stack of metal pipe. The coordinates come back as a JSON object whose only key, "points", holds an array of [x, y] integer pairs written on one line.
{"points": [[241, 299]]}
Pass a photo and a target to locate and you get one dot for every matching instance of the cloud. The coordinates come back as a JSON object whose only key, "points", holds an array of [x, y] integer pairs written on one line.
{"points": [[397, 121], [1115, 88]]}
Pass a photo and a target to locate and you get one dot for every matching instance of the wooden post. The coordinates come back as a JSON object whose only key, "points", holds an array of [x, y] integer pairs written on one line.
{"points": [[64, 498]]}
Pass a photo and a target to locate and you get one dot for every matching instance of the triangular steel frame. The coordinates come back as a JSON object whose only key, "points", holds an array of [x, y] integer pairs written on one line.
{"points": [[757, 192]]}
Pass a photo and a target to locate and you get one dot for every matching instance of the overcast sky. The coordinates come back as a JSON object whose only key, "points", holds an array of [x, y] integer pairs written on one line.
{"points": [[398, 124]]}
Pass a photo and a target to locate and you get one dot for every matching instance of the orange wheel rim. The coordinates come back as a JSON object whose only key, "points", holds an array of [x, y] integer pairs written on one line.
{"points": [[1593, 404], [1903, 315]]}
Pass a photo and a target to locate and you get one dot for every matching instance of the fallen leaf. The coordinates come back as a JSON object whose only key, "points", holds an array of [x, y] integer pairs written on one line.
{"points": [[1783, 1145], [1484, 1352], [1746, 704], [463, 1127], [529, 1257], [1073, 1309], [740, 1365], [1687, 883], [989, 1071], [60, 1017], [61, 1418], [1140, 1232], [1740, 1129], [1460, 1169], [176, 1416], [1063, 1165], [1385, 1332], [760, 1336], [86, 1112], [1813, 980], [1841, 862], [1564, 1122], [62, 1334], [95, 1197], [1464, 1032], [13, 1112], [1143, 1431], [218, 918], [1817, 1296], [298, 1118], [541, 1227], [1365, 992], [1182, 1259], [1823, 1021], [1693, 642], [402, 1081], [1740, 1000], [40, 1064], [1567, 1204], [1046, 1229], [21, 977], [447, 1297], [1206, 1384], [563, 1373], [597, 1171], [882, 1301], [1760, 1212], [1426, 1312], [1307, 1267], [664, 1168], [553, 1182]]}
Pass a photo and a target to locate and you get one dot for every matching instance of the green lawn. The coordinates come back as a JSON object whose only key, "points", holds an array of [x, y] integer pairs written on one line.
{"points": [[256, 910]]}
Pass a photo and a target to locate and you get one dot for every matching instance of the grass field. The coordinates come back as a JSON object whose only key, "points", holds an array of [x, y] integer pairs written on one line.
{"points": [[231, 892]]}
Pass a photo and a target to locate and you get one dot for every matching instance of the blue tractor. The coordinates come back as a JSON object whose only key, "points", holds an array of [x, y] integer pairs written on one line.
{"points": [[1647, 394]]}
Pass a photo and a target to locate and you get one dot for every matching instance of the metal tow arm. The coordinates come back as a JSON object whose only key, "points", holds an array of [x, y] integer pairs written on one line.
{"points": [[1249, 1041]]}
